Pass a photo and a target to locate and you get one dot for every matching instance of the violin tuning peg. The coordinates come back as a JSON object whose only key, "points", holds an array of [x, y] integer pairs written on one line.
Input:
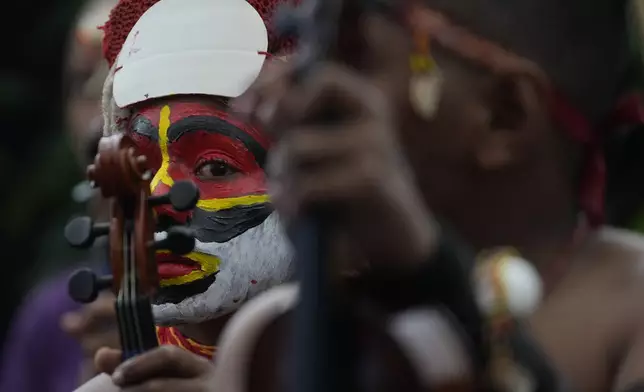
{"points": [[84, 285], [183, 196], [180, 241], [81, 232]]}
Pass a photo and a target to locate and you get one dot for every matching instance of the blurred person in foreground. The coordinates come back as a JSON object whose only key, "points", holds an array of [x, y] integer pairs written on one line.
{"points": [[509, 151], [39, 355]]}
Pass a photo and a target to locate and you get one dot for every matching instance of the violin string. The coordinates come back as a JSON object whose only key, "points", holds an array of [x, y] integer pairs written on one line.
{"points": [[127, 349], [135, 303], [132, 348], [122, 319], [122, 322]]}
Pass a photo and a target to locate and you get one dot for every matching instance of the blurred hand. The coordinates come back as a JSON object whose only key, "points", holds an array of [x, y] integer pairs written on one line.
{"points": [[94, 325], [352, 168], [164, 369]]}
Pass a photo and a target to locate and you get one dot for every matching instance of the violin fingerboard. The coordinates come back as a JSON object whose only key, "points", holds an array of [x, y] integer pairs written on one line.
{"points": [[148, 328], [144, 338]]}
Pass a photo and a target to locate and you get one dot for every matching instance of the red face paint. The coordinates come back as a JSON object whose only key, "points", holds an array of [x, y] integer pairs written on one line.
{"points": [[196, 140], [218, 160]]}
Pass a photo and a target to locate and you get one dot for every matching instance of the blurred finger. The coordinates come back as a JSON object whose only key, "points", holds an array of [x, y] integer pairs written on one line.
{"points": [[72, 322], [311, 146], [164, 361], [276, 73], [272, 81], [91, 343], [107, 360], [337, 183], [387, 56], [333, 91], [98, 316]]}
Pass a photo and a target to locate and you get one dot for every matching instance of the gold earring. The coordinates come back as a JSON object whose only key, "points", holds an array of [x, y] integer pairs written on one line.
{"points": [[426, 79]]}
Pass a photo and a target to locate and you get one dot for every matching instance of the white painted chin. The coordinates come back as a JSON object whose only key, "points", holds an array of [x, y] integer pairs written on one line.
{"points": [[262, 255]]}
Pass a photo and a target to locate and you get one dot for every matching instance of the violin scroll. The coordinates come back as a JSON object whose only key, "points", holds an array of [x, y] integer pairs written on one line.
{"points": [[117, 170], [124, 178]]}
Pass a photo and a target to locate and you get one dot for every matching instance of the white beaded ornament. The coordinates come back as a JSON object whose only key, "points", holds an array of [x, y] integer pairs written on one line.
{"points": [[507, 283]]}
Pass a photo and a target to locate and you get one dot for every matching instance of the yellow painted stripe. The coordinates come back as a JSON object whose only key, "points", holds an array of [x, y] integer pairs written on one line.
{"points": [[208, 264], [202, 347], [223, 204], [177, 340], [185, 279], [162, 175]]}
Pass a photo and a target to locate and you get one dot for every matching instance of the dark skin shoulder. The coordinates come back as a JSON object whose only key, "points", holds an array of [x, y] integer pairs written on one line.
{"points": [[592, 325]]}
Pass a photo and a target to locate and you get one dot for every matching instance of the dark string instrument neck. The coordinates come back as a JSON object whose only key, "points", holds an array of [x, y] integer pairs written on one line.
{"points": [[124, 178], [321, 342]]}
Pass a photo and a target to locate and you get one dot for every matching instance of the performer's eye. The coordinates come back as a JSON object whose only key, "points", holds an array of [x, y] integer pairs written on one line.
{"points": [[214, 169]]}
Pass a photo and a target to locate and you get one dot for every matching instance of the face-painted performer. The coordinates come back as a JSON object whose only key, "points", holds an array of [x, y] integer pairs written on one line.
{"points": [[174, 66]]}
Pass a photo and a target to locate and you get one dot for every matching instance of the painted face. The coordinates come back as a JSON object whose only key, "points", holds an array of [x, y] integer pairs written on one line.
{"points": [[240, 249]]}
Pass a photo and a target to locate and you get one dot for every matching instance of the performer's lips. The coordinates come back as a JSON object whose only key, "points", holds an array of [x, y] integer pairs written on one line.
{"points": [[171, 266]]}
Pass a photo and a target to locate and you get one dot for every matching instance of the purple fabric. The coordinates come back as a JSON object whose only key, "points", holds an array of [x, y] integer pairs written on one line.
{"points": [[38, 355]]}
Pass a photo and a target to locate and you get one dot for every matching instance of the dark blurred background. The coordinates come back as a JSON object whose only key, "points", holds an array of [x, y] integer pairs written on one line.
{"points": [[37, 166]]}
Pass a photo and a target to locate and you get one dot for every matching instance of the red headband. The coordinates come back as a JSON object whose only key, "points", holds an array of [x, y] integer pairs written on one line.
{"points": [[571, 120]]}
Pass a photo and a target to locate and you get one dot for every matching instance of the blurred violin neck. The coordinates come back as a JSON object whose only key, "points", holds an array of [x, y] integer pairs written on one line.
{"points": [[134, 307]]}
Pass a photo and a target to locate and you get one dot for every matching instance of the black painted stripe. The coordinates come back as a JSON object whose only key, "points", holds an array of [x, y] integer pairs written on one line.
{"points": [[142, 126], [177, 293], [220, 126], [224, 225]]}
